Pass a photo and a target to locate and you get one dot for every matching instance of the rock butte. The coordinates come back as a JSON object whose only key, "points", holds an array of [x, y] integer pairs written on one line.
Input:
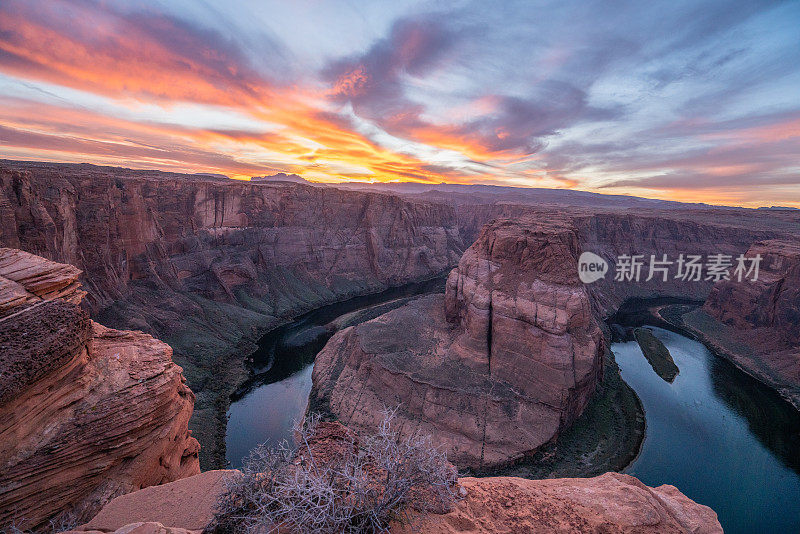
{"points": [[86, 412], [519, 363], [511, 355]]}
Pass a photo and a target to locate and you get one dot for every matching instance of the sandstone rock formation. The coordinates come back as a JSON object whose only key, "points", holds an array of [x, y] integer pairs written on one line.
{"points": [[184, 504], [28, 279], [512, 361], [512, 354], [206, 265], [609, 503], [86, 412], [756, 324]]}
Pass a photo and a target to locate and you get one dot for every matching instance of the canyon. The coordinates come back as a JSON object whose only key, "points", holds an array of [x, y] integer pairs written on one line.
{"points": [[496, 369], [511, 355], [208, 265], [86, 412]]}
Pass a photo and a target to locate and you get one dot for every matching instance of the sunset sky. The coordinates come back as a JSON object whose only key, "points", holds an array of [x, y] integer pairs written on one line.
{"points": [[685, 100]]}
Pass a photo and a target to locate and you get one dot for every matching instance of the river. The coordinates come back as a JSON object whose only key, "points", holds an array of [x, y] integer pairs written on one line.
{"points": [[718, 435], [715, 433], [265, 408]]}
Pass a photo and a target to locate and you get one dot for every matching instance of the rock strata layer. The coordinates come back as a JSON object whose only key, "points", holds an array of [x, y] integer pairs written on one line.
{"points": [[86, 412]]}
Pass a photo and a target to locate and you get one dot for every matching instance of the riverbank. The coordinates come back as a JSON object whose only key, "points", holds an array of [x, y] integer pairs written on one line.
{"points": [[606, 437], [281, 364], [695, 323]]}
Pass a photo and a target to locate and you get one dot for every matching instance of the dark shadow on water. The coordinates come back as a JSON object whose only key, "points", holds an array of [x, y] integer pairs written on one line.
{"points": [[276, 394], [772, 420], [291, 348]]}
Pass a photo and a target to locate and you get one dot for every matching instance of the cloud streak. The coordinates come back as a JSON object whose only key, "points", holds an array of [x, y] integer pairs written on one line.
{"points": [[688, 100]]}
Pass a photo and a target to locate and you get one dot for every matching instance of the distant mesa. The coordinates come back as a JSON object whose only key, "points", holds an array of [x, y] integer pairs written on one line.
{"points": [[212, 175], [281, 177]]}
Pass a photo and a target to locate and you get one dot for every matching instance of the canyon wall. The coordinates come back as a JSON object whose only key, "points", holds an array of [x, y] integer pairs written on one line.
{"points": [[772, 301], [513, 352], [700, 232], [756, 324], [207, 265], [86, 412]]}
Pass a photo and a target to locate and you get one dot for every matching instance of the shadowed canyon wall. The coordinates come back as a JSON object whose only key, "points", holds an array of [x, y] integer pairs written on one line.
{"points": [[207, 265]]}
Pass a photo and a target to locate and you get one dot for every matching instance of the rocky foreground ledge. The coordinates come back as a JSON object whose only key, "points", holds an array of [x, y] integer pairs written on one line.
{"points": [[608, 503], [86, 412], [612, 503]]}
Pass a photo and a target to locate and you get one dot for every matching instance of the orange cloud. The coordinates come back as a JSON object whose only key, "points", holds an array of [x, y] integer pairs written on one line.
{"points": [[131, 58], [161, 60]]}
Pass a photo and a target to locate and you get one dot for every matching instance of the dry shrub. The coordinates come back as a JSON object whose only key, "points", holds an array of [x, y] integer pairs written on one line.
{"points": [[62, 522], [361, 487]]}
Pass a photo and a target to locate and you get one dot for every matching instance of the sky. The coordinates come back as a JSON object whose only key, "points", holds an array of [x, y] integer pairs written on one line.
{"points": [[683, 100]]}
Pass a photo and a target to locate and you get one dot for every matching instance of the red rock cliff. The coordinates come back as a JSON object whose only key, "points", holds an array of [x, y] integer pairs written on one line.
{"points": [[207, 265], [756, 324], [86, 412]]}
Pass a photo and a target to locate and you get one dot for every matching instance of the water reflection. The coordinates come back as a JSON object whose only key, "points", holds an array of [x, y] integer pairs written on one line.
{"points": [[770, 419], [718, 435]]}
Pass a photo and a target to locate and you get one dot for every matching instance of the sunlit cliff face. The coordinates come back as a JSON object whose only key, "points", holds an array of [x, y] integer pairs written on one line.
{"points": [[689, 101]]}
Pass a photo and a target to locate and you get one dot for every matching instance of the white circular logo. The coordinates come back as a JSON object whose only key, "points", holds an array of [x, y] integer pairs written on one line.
{"points": [[591, 267]]}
